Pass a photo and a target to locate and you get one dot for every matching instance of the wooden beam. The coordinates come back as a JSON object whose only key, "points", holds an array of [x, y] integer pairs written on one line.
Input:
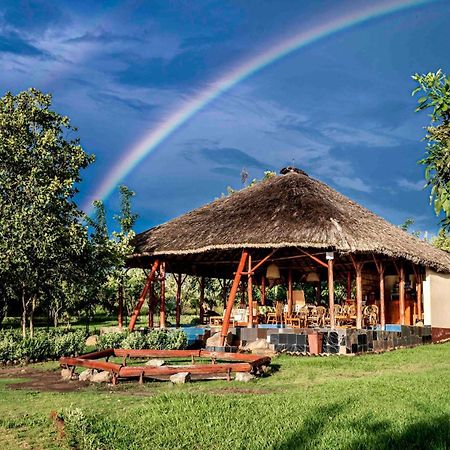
{"points": [[232, 296], [141, 300], [250, 293], [331, 292], [151, 306], [260, 263], [314, 258], [349, 285], [162, 308], [381, 268], [419, 292], [401, 292], [289, 293]]}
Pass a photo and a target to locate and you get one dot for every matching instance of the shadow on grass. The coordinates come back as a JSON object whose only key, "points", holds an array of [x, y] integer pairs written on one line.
{"points": [[432, 433]]}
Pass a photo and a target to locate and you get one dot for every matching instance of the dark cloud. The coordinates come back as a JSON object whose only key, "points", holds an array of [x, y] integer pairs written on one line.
{"points": [[115, 100], [227, 171], [232, 157]]}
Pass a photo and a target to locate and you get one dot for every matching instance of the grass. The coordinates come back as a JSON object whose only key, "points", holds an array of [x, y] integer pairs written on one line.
{"points": [[399, 399]]}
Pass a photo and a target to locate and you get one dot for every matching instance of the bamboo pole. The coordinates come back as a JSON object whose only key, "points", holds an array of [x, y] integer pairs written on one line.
{"points": [[250, 293], [141, 301], [381, 269], [151, 306], [232, 296], [162, 309], [331, 292]]}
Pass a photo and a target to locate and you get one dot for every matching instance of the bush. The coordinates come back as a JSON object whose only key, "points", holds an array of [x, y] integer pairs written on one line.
{"points": [[43, 345], [111, 340], [155, 340]]}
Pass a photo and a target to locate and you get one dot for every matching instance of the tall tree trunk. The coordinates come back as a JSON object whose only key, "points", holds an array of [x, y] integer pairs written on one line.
{"points": [[24, 314], [33, 308]]}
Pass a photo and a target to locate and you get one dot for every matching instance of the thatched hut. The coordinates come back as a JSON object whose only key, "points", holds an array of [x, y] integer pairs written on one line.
{"points": [[304, 227]]}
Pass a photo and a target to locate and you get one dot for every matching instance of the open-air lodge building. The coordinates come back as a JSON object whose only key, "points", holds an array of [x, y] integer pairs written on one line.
{"points": [[294, 230]]}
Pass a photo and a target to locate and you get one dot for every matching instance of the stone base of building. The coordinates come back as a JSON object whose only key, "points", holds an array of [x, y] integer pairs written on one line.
{"points": [[341, 340]]}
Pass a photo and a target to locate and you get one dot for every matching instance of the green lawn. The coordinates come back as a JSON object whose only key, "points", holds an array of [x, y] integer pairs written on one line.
{"points": [[399, 399]]}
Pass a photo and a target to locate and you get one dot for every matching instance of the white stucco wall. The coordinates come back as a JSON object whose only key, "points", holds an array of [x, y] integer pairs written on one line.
{"points": [[436, 299]]}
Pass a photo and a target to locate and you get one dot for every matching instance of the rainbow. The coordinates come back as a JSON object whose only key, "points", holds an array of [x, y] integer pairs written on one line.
{"points": [[174, 120]]}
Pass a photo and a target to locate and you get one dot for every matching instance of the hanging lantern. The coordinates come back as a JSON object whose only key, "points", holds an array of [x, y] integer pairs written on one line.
{"points": [[312, 277], [273, 272]]}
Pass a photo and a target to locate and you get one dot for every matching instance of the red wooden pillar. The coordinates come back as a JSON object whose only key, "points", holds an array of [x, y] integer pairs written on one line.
{"points": [[380, 268], [290, 299], [162, 308], [178, 300], [250, 293], [224, 293], [263, 290], [141, 300], [232, 296], [401, 292], [151, 306], [202, 299], [331, 292], [359, 294], [419, 291], [120, 311]]}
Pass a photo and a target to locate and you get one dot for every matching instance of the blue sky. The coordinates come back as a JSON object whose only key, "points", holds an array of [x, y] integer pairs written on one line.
{"points": [[340, 108]]}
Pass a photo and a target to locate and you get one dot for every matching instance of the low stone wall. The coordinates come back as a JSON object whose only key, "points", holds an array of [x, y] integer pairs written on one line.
{"points": [[342, 341]]}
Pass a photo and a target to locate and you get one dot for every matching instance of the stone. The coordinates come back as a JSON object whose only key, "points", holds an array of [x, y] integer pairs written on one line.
{"points": [[86, 375], [244, 377], [155, 363], [265, 352], [66, 374], [92, 341], [215, 340], [180, 378], [101, 377], [259, 344]]}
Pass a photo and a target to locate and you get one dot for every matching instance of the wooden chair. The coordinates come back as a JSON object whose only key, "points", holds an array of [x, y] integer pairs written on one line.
{"points": [[337, 309], [370, 315], [276, 316], [321, 315]]}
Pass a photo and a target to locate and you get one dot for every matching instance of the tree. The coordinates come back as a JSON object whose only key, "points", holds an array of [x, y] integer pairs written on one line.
{"points": [[41, 234], [435, 90]]}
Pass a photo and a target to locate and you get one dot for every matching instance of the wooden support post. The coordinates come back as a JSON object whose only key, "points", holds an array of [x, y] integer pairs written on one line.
{"points": [[178, 300], [359, 293], [419, 291], [290, 299], [224, 293], [120, 310], [401, 292], [151, 306], [143, 296], [250, 292], [331, 292], [349, 285], [162, 308], [381, 268], [202, 299], [263, 290], [232, 296], [319, 292]]}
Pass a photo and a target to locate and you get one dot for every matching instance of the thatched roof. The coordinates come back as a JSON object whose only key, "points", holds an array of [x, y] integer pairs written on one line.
{"points": [[287, 211]]}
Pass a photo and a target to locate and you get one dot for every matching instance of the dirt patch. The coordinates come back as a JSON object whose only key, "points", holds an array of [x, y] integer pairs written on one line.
{"points": [[40, 380]]}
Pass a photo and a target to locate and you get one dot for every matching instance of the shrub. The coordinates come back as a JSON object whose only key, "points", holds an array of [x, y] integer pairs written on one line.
{"points": [[135, 341], [166, 339], [111, 340], [43, 345]]}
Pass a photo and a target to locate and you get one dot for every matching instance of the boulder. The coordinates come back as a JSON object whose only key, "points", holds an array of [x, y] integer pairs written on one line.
{"points": [[66, 374], [259, 344], [86, 375], [180, 378], [244, 377], [92, 341], [155, 363], [215, 340], [101, 377]]}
